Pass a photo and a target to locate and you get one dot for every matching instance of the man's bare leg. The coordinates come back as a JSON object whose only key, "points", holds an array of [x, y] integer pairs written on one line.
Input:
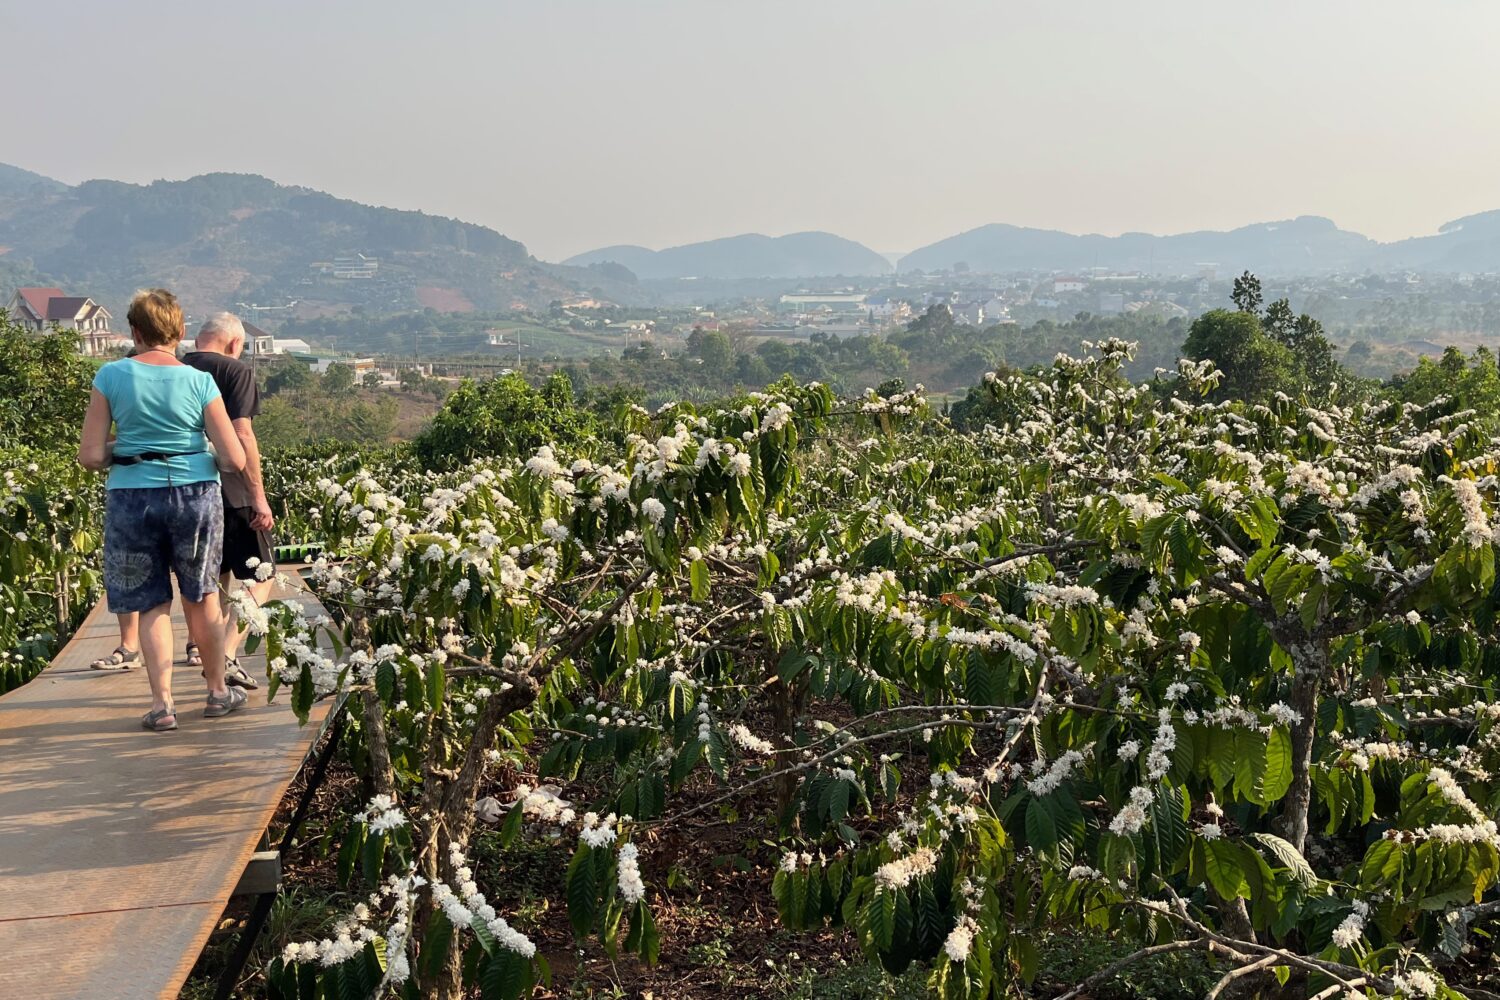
{"points": [[260, 592]]}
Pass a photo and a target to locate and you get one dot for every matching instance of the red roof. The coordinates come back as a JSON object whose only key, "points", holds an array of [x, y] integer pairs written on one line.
{"points": [[37, 298]]}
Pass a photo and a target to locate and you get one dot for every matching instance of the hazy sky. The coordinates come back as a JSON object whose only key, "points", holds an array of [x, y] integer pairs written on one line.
{"points": [[571, 124]]}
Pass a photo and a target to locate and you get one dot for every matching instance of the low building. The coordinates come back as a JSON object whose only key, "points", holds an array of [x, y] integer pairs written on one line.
{"points": [[1068, 284], [38, 309], [822, 302], [257, 341], [969, 314]]}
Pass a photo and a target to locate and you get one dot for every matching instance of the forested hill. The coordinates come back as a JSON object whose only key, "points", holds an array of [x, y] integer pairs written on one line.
{"points": [[15, 182], [751, 255], [218, 238]]}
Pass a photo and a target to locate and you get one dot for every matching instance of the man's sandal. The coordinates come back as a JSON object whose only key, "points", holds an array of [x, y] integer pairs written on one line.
{"points": [[194, 656], [235, 675], [120, 659], [160, 721], [233, 698]]}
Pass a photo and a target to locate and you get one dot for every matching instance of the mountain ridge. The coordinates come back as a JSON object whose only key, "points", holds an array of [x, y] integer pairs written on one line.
{"points": [[222, 238], [1306, 244], [747, 255]]}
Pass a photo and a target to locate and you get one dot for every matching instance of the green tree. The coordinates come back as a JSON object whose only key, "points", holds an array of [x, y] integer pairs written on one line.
{"points": [[338, 380], [288, 375], [1247, 295], [714, 349], [504, 416], [44, 388], [1254, 365]]}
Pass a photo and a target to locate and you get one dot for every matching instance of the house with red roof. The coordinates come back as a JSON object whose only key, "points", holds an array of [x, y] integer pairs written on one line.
{"points": [[39, 309]]}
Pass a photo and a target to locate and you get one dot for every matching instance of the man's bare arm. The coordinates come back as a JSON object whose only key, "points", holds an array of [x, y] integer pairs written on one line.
{"points": [[245, 431]]}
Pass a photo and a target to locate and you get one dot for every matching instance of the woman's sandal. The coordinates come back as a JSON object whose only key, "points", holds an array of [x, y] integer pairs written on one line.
{"points": [[235, 675], [120, 659], [233, 698], [160, 721], [194, 656]]}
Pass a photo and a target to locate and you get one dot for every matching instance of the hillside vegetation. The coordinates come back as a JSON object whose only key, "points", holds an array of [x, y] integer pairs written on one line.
{"points": [[219, 238]]}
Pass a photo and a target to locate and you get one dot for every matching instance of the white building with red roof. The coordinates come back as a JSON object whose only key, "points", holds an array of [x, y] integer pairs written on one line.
{"points": [[39, 309]]}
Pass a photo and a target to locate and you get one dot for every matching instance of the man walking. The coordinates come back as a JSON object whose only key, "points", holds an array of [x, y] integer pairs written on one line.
{"points": [[248, 547]]}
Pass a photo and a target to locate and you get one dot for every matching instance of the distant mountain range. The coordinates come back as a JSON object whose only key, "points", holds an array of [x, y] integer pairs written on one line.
{"points": [[1304, 245], [220, 239], [797, 255], [223, 239], [1307, 244]]}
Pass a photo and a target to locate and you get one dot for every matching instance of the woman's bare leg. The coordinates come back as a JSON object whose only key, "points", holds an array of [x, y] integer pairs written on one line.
{"points": [[205, 623], [130, 630], [155, 632]]}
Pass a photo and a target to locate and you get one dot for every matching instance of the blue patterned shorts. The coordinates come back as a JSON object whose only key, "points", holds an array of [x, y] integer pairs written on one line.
{"points": [[151, 533]]}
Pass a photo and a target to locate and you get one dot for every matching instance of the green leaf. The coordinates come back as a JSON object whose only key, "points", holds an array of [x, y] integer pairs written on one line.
{"points": [[385, 681], [435, 945], [505, 975], [1278, 773], [303, 694], [437, 686], [698, 574], [372, 858], [1249, 765], [1288, 857], [1223, 870], [836, 800], [1041, 826], [1168, 828], [482, 935], [354, 838], [583, 892]]}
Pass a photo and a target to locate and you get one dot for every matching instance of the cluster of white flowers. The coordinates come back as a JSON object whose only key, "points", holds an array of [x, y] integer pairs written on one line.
{"points": [[1415, 983], [1477, 530], [1284, 714], [628, 875], [1062, 597], [598, 832], [462, 906], [960, 940], [544, 805], [745, 738], [1132, 816], [1348, 933], [1049, 777], [382, 814], [899, 873], [350, 935], [654, 510]]}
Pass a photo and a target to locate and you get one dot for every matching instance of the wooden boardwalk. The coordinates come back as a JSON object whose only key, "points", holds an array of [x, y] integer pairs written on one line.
{"points": [[119, 848]]}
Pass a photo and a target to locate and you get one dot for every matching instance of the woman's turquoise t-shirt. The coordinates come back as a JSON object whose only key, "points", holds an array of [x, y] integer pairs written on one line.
{"points": [[158, 408]]}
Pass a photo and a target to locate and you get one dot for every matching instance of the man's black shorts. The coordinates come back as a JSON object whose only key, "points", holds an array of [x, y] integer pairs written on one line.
{"points": [[243, 543]]}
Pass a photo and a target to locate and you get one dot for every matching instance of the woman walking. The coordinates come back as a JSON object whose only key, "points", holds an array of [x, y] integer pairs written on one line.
{"points": [[163, 515]]}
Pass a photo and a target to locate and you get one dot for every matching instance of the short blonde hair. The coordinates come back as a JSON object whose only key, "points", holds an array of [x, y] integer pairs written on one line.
{"points": [[156, 316]]}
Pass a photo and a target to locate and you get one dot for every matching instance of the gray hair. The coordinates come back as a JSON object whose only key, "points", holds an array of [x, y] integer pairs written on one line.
{"points": [[222, 324]]}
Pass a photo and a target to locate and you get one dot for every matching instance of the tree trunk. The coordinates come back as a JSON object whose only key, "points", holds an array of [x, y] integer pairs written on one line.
{"points": [[382, 774], [1310, 664]]}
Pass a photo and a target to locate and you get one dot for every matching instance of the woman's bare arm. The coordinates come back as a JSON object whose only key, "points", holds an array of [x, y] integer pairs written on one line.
{"points": [[231, 454], [94, 448]]}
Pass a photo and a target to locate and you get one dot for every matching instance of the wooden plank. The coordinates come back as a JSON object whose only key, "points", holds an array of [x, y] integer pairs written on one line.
{"points": [[100, 818]]}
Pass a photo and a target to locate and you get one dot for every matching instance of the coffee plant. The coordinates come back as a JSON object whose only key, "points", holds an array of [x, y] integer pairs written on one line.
{"points": [[1203, 675]]}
